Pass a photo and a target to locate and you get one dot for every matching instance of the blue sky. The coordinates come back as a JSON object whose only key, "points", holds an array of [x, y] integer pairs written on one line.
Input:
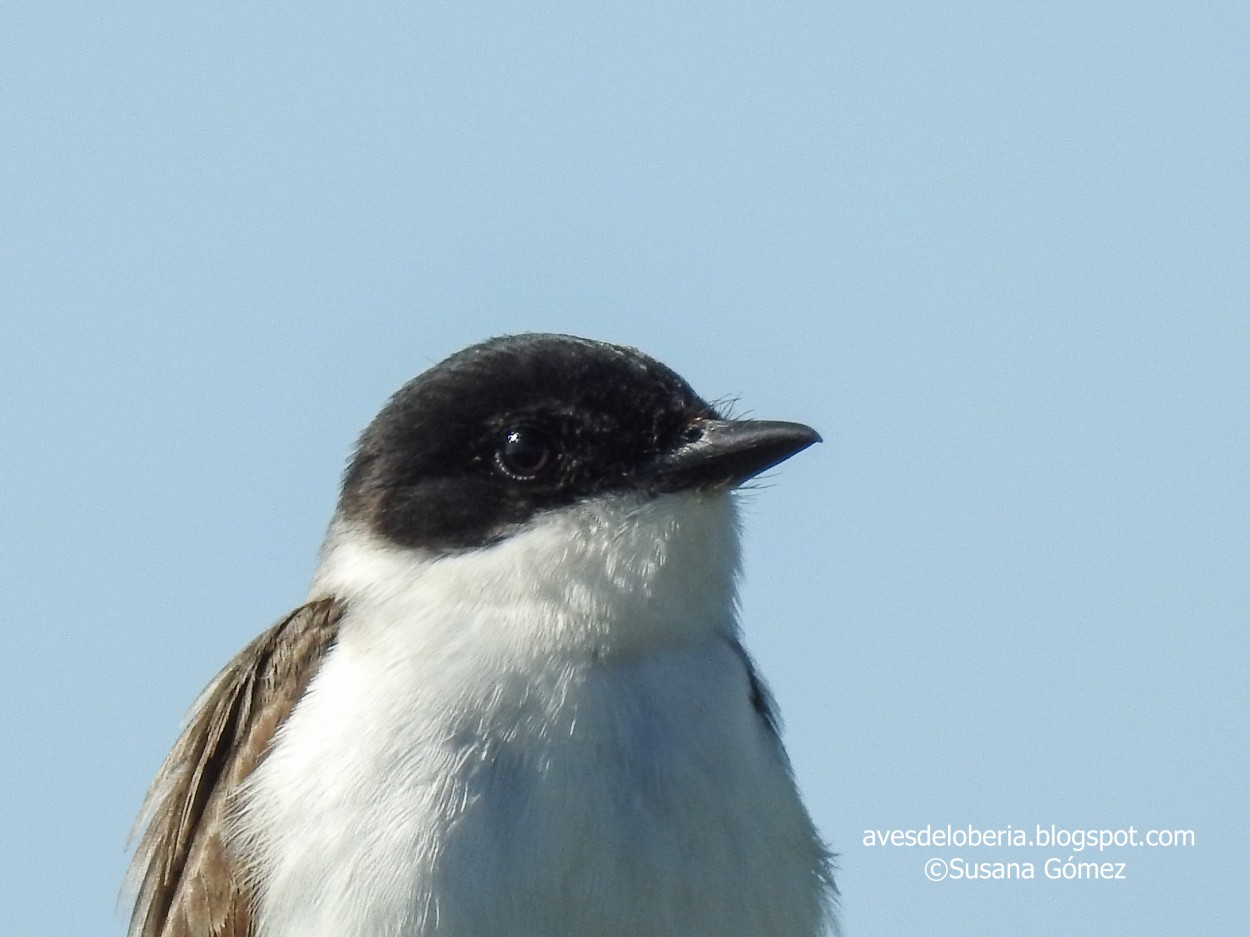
{"points": [[997, 256]]}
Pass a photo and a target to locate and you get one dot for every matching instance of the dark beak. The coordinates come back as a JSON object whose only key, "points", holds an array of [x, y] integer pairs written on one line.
{"points": [[725, 453]]}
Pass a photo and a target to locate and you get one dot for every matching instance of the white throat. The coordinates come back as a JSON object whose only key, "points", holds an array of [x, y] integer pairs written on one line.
{"points": [[549, 735], [614, 574]]}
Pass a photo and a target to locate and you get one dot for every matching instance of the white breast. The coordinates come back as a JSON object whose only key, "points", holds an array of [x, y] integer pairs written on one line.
{"points": [[551, 736]]}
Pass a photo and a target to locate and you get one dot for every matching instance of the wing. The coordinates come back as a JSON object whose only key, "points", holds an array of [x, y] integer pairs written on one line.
{"points": [[188, 883], [761, 697]]}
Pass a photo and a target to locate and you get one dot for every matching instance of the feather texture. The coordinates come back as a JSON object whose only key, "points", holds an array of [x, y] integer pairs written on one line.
{"points": [[190, 884]]}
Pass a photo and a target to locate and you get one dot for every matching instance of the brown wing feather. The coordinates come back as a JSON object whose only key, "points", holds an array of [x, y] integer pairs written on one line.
{"points": [[189, 885]]}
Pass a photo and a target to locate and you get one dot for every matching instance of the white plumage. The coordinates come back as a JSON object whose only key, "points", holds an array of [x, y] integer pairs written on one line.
{"points": [[552, 734]]}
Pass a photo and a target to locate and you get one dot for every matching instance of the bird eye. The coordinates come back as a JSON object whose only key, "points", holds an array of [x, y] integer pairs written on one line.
{"points": [[524, 453]]}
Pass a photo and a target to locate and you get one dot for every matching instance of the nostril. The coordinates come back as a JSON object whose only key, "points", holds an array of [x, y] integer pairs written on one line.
{"points": [[692, 433]]}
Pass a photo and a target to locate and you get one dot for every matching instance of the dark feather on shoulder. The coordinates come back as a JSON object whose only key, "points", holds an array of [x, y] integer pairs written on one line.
{"points": [[188, 882]]}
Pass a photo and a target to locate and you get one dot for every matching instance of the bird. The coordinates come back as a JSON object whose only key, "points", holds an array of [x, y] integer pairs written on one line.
{"points": [[516, 701]]}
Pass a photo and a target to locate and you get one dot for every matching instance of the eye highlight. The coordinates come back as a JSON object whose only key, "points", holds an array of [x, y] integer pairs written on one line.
{"points": [[524, 452]]}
